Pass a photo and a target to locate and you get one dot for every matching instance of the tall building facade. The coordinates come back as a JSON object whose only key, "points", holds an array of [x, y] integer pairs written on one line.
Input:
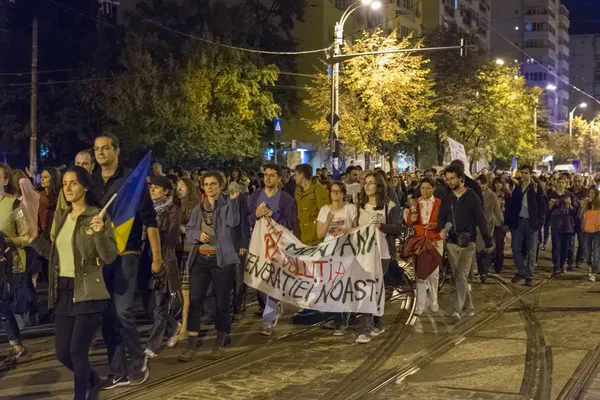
{"points": [[585, 71], [534, 35], [471, 16]]}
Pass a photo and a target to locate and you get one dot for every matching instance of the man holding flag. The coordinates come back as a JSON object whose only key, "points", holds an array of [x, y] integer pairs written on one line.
{"points": [[131, 210]]}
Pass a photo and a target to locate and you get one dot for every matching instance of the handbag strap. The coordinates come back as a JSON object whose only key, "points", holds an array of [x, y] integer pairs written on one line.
{"points": [[453, 215]]}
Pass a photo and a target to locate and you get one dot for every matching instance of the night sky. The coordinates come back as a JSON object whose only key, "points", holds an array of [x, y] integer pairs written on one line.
{"points": [[584, 15]]}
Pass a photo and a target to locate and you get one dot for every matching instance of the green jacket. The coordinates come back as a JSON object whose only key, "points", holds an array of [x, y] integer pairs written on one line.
{"points": [[309, 203], [92, 250]]}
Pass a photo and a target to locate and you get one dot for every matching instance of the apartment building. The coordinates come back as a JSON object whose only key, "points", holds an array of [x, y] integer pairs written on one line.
{"points": [[471, 16], [584, 70], [534, 35]]}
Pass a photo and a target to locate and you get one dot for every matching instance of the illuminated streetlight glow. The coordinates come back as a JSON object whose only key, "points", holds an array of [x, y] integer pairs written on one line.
{"points": [[583, 105], [367, 2], [499, 61], [551, 87], [376, 5]]}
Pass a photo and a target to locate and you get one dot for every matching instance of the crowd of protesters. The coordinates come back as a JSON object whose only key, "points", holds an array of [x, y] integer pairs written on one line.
{"points": [[192, 232]]}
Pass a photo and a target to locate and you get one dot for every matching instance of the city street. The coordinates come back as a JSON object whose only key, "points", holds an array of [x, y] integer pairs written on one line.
{"points": [[536, 343]]}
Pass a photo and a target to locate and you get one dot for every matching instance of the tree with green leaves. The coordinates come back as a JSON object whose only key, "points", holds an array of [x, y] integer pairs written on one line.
{"points": [[384, 99], [485, 106]]}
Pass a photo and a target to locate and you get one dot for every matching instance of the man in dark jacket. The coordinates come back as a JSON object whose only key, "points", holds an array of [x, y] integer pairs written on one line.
{"points": [[469, 183], [525, 215], [463, 210], [281, 207], [121, 277]]}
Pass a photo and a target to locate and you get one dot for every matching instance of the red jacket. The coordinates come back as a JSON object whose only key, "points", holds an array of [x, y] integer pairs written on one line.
{"points": [[420, 230]]}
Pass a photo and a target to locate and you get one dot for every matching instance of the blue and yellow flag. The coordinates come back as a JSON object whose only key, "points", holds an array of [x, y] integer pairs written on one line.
{"points": [[513, 166], [123, 209]]}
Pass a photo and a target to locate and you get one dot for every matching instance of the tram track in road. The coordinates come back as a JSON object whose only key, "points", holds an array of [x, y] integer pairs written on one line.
{"points": [[582, 378], [392, 339], [537, 377], [368, 389], [174, 382]]}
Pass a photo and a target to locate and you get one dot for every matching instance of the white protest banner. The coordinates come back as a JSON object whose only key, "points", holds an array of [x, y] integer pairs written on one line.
{"points": [[457, 152], [339, 275]]}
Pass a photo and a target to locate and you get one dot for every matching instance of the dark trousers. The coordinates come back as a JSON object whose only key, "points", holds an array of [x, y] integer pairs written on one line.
{"points": [[546, 231], [573, 257], [239, 288], [9, 323], [483, 263], [499, 239], [560, 249], [201, 275], [164, 322], [368, 321], [73, 336], [118, 322]]}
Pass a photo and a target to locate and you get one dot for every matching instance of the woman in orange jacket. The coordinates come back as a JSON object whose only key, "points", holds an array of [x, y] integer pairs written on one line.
{"points": [[423, 216]]}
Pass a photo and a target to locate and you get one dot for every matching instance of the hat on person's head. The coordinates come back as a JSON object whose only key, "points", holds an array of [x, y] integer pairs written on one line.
{"points": [[161, 181]]}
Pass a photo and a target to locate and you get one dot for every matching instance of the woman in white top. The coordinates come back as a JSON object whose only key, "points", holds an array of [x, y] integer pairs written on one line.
{"points": [[334, 220], [337, 218], [375, 208]]}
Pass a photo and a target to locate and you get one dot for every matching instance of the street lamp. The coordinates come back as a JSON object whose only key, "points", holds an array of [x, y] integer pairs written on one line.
{"points": [[335, 81], [499, 61], [571, 114]]}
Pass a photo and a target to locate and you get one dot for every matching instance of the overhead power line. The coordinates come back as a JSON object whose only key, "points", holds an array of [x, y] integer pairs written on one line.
{"points": [[244, 49]]}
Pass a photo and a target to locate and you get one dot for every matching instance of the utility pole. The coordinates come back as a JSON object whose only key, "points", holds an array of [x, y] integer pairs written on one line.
{"points": [[34, 65]]}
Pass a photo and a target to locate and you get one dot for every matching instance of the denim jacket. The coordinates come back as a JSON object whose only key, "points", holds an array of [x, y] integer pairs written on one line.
{"points": [[231, 230]]}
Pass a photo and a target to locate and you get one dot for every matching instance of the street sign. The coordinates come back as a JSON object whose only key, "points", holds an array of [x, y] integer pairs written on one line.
{"points": [[278, 125], [335, 121]]}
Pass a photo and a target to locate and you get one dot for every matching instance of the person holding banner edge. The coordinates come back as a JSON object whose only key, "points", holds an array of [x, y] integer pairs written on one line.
{"points": [[376, 209], [216, 232], [336, 219], [272, 202]]}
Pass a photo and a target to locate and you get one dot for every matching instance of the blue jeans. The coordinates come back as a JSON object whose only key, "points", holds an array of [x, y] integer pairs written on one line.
{"points": [[572, 257], [592, 251], [9, 323], [164, 322], [118, 322], [560, 250], [524, 238]]}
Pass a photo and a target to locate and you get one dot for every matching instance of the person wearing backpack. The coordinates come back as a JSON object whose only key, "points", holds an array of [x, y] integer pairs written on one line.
{"points": [[375, 208]]}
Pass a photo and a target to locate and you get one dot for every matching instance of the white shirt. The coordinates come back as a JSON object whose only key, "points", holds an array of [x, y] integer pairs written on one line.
{"points": [[367, 216], [342, 222], [426, 208]]}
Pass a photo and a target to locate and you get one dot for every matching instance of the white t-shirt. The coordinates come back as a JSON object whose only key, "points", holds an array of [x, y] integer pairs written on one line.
{"points": [[369, 215], [342, 222]]}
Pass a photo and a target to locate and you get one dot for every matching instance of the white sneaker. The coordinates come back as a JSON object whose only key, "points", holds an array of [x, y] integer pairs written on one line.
{"points": [[435, 307], [418, 313], [362, 339], [469, 313], [172, 341], [150, 354], [592, 278], [377, 331]]}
